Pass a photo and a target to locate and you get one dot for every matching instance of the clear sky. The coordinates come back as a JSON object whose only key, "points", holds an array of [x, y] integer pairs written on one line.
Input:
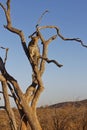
{"points": [[61, 84]]}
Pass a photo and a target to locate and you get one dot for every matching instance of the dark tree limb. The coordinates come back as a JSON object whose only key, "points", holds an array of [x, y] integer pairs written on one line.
{"points": [[52, 61], [3, 7], [6, 55], [14, 95]]}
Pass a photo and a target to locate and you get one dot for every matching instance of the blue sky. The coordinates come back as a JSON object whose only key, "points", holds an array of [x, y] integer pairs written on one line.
{"points": [[61, 84]]}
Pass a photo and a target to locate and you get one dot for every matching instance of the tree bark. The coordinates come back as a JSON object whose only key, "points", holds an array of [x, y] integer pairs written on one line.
{"points": [[8, 107]]}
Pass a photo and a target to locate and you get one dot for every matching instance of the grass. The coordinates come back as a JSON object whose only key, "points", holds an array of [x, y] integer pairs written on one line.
{"points": [[64, 116]]}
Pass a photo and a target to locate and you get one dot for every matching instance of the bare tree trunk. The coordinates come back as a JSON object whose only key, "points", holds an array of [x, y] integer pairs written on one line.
{"points": [[27, 110]]}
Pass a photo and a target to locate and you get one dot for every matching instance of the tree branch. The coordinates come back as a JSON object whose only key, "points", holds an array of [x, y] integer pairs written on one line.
{"points": [[39, 20], [6, 56], [13, 29], [51, 61], [45, 49], [39, 89], [36, 96], [8, 107], [63, 38], [51, 39], [8, 5], [3, 7]]}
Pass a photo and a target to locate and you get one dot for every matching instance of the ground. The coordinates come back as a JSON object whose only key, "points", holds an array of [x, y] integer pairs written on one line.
{"points": [[62, 116]]}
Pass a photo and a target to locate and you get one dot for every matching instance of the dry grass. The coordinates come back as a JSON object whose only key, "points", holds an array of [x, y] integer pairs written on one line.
{"points": [[65, 116]]}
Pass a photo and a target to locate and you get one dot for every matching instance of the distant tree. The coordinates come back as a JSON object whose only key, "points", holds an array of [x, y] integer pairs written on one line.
{"points": [[27, 102]]}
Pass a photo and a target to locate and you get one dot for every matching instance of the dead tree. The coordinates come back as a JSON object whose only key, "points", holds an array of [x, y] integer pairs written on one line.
{"points": [[27, 102]]}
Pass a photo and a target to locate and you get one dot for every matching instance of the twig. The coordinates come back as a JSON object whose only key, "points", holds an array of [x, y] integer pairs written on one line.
{"points": [[3, 7], [6, 55], [2, 47], [30, 36], [39, 20]]}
